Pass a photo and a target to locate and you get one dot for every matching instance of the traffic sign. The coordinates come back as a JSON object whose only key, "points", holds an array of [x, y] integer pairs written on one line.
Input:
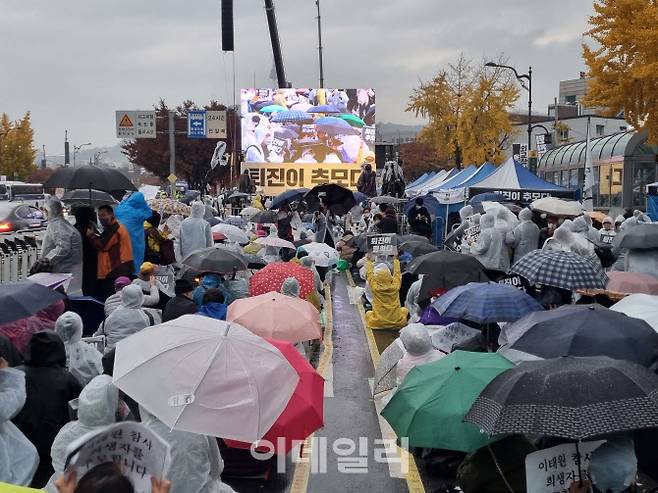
{"points": [[172, 178], [136, 124], [216, 124], [196, 124]]}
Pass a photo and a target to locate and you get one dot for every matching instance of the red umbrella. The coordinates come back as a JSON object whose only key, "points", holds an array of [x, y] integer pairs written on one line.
{"points": [[271, 277], [305, 411]]}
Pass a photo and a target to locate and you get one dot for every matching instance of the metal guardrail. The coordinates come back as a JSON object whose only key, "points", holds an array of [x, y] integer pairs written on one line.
{"points": [[19, 251]]}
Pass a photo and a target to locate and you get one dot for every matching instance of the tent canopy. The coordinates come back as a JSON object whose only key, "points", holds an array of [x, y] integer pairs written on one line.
{"points": [[437, 179], [456, 179], [513, 176]]}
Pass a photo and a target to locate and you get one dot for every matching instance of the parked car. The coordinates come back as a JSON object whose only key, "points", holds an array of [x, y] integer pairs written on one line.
{"points": [[20, 216]]}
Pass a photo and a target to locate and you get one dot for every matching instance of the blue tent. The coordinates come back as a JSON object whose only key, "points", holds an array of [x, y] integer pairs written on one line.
{"points": [[652, 201], [514, 176], [421, 179], [483, 172], [460, 176]]}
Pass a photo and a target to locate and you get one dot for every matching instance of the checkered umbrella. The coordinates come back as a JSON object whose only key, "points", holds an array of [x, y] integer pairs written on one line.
{"points": [[564, 270], [569, 397], [385, 372], [486, 303], [292, 117]]}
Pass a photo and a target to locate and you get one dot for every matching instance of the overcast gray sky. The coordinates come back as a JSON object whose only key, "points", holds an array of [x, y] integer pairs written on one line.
{"points": [[73, 62]]}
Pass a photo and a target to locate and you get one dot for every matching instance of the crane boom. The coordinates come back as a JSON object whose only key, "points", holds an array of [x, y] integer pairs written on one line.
{"points": [[276, 44]]}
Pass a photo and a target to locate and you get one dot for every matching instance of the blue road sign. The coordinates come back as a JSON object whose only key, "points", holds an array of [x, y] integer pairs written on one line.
{"points": [[196, 124]]}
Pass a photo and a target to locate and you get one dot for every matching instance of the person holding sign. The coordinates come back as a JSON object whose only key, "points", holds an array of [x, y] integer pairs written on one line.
{"points": [[386, 311]]}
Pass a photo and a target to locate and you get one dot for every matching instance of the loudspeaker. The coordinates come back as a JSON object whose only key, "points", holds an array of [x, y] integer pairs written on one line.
{"points": [[227, 25]]}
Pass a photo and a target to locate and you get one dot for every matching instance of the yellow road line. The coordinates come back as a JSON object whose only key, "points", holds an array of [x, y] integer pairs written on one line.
{"points": [[414, 482], [299, 483]]}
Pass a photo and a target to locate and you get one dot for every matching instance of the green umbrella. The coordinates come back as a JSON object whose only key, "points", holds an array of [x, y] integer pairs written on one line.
{"points": [[430, 405], [353, 120]]}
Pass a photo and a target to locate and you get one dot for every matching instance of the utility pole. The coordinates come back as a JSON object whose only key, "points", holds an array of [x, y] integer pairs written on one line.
{"points": [[172, 150], [67, 157], [529, 113], [43, 161], [317, 3]]}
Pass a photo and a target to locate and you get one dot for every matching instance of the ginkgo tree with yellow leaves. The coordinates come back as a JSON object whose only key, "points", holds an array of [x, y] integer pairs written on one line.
{"points": [[468, 111], [623, 61], [17, 152]]}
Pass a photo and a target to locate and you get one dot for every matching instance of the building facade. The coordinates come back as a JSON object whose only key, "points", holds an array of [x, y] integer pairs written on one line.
{"points": [[624, 164]]}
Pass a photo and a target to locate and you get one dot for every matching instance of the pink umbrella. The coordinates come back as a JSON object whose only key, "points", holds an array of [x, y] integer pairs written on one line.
{"points": [[632, 282], [277, 316], [275, 241]]}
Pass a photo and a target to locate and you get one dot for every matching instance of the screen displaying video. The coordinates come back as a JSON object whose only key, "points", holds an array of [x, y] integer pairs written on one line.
{"points": [[300, 126]]}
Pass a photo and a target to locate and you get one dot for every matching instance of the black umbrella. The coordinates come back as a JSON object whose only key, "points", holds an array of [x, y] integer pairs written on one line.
{"points": [[417, 248], [216, 259], [386, 199], [572, 398], [337, 198], [584, 330], [288, 197], [265, 217], [405, 238], [89, 177], [254, 261], [190, 196], [24, 298], [446, 270], [237, 195], [88, 198], [642, 236]]}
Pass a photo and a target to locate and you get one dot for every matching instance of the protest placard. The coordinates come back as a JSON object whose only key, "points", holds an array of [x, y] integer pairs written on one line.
{"points": [[140, 452], [382, 245], [552, 470]]}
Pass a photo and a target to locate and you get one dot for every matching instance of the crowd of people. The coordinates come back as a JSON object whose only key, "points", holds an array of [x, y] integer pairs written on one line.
{"points": [[121, 255]]}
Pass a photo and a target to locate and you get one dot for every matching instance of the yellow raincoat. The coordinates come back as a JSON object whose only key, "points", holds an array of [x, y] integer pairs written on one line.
{"points": [[256, 202], [386, 310]]}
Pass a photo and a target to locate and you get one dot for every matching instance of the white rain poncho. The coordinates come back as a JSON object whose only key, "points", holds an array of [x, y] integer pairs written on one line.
{"points": [[490, 248], [592, 232], [465, 213], [153, 296], [196, 463], [418, 350], [411, 302], [195, 232], [62, 245], [18, 457], [290, 287], [309, 263], [524, 238], [82, 360], [128, 319], [582, 231], [97, 407]]}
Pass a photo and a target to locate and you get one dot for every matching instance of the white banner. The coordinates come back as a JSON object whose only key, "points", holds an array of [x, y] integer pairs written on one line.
{"points": [[447, 197], [552, 470]]}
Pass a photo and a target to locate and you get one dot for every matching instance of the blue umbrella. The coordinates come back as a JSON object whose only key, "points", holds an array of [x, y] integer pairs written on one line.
{"points": [[323, 108], [292, 117], [287, 197], [272, 108], [360, 197], [25, 298], [486, 303], [335, 126], [235, 221]]}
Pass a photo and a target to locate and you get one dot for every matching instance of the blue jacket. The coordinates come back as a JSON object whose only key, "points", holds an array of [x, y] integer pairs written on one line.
{"points": [[132, 212], [214, 310]]}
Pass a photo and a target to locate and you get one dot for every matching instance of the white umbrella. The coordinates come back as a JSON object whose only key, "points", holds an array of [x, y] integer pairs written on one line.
{"points": [[557, 207], [642, 306], [322, 254], [249, 212], [275, 241], [233, 233], [206, 376]]}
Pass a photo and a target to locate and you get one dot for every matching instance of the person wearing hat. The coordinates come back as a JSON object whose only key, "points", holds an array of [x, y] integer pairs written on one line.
{"points": [[114, 301], [182, 303], [147, 283], [607, 232]]}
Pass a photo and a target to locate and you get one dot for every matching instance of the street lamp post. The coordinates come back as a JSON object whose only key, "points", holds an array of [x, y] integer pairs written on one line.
{"points": [[77, 148], [521, 78], [97, 156]]}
